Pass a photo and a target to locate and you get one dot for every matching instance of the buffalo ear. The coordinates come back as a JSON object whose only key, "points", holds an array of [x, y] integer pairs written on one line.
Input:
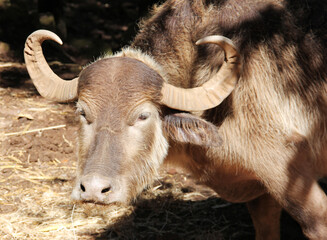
{"points": [[187, 128]]}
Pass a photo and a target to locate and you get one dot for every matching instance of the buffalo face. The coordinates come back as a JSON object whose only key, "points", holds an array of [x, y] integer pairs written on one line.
{"points": [[121, 142]]}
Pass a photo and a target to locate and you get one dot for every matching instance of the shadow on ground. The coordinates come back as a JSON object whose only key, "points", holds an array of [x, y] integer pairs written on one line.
{"points": [[166, 218]]}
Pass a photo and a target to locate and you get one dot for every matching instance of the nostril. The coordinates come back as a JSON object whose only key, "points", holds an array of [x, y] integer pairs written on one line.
{"points": [[94, 187], [105, 190]]}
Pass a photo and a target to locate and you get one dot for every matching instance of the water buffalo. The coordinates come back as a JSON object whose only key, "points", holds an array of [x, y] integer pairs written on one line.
{"points": [[248, 117]]}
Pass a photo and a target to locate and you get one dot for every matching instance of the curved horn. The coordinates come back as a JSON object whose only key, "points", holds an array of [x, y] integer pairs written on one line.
{"points": [[48, 84], [214, 91]]}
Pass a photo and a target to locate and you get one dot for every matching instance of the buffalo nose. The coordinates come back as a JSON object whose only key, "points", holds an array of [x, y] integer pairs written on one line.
{"points": [[94, 188]]}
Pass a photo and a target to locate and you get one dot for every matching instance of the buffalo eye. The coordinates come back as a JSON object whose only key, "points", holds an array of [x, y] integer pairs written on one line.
{"points": [[143, 116], [82, 113]]}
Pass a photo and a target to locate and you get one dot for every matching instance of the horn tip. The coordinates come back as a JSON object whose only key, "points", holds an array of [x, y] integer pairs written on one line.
{"points": [[198, 42], [213, 39], [46, 35]]}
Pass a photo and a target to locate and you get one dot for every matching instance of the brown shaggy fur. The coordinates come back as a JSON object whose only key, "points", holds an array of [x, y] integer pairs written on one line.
{"points": [[273, 127]]}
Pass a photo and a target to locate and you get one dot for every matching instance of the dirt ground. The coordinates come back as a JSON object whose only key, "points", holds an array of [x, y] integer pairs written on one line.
{"points": [[38, 145]]}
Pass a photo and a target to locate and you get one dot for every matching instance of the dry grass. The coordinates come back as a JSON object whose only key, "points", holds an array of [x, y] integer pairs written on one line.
{"points": [[25, 131], [39, 206], [36, 205]]}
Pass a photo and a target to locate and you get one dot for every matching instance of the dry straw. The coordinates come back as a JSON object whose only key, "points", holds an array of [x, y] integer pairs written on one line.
{"points": [[39, 207], [34, 130]]}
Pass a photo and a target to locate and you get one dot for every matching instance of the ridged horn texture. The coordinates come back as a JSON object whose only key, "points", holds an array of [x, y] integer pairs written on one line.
{"points": [[212, 92], [48, 84]]}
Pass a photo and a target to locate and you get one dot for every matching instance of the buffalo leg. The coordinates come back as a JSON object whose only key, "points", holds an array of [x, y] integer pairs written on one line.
{"points": [[265, 213], [300, 195], [309, 208]]}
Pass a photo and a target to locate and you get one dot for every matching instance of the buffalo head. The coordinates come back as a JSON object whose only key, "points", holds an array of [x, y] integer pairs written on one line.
{"points": [[125, 105]]}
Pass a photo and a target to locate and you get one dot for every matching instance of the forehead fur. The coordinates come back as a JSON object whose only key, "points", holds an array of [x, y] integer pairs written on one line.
{"points": [[119, 79], [143, 57]]}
